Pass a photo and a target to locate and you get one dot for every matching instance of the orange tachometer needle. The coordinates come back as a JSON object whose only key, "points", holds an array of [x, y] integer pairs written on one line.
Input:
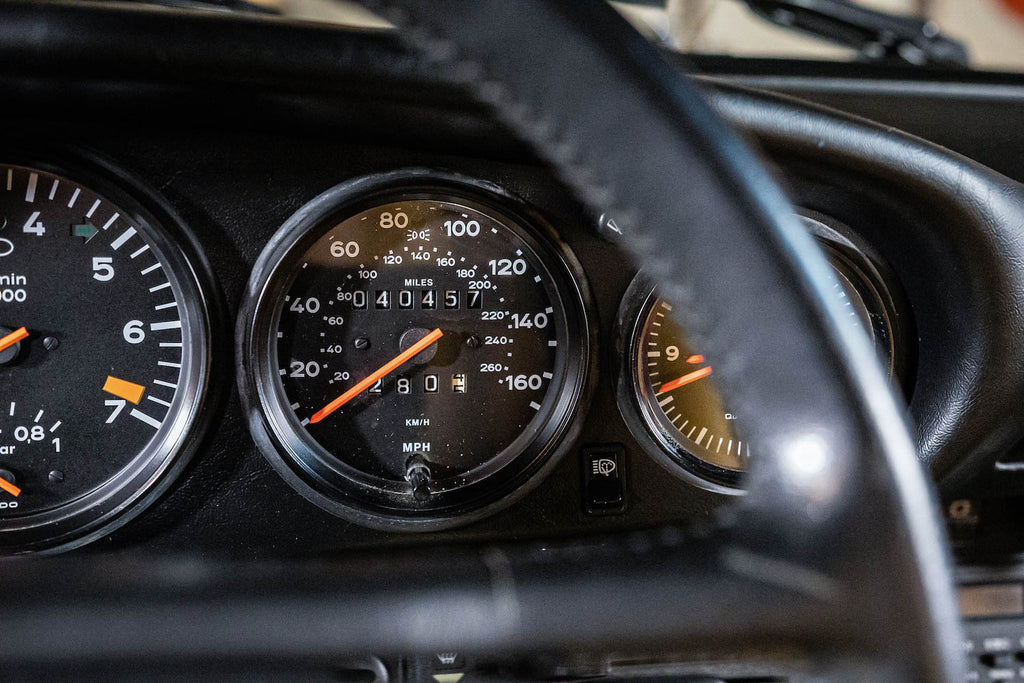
{"points": [[685, 379], [13, 338], [9, 487], [383, 370]]}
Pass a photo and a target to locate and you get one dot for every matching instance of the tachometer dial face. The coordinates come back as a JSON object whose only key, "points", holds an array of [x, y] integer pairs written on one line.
{"points": [[678, 395], [421, 354], [103, 353], [671, 384]]}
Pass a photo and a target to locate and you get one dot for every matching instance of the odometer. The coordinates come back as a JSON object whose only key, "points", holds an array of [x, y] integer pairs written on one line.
{"points": [[420, 351]]}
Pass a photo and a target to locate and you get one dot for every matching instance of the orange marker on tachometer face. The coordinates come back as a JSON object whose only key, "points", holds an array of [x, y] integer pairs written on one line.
{"points": [[129, 391]]}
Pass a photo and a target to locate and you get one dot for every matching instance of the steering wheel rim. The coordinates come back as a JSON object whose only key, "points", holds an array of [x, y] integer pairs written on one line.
{"points": [[829, 434]]}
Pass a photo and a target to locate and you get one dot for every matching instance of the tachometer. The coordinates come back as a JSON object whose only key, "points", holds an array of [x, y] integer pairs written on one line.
{"points": [[104, 354], [419, 350]]}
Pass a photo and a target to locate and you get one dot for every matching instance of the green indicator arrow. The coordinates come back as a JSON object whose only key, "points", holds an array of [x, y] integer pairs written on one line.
{"points": [[86, 231]]}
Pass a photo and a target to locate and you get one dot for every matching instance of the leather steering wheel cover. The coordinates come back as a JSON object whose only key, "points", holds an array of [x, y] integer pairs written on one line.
{"points": [[827, 431], [968, 406]]}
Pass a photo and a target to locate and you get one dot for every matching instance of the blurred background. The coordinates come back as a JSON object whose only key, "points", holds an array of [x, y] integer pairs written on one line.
{"points": [[991, 30]]}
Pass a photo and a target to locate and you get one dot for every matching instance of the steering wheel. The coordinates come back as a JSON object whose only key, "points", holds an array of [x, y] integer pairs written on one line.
{"points": [[836, 554], [838, 543]]}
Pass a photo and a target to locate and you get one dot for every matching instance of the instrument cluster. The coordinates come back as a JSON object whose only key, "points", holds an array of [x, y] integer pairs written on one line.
{"points": [[415, 351]]}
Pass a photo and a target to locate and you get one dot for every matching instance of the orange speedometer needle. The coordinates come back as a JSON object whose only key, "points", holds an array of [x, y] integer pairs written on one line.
{"points": [[379, 373], [9, 487], [685, 379], [13, 338]]}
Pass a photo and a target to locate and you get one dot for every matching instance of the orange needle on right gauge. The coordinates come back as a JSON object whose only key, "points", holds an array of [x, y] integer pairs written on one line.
{"points": [[13, 338], [685, 379]]}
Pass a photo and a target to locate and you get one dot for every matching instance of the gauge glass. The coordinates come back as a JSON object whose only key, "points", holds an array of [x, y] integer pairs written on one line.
{"points": [[678, 395], [673, 383], [103, 350], [424, 355]]}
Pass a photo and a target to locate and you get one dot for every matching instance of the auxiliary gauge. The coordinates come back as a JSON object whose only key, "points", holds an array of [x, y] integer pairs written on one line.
{"points": [[104, 357], [667, 389], [419, 346]]}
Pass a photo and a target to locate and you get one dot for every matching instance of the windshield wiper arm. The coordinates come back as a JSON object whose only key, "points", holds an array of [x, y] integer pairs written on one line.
{"points": [[877, 36]]}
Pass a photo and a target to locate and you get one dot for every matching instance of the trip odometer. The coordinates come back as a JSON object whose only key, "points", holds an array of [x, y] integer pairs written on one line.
{"points": [[419, 351]]}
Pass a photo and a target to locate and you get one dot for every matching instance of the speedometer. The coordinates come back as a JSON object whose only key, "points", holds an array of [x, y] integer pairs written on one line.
{"points": [[419, 350]]}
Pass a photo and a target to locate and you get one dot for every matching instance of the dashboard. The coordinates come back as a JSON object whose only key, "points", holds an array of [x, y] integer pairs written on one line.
{"points": [[236, 284], [314, 301], [415, 350], [456, 416]]}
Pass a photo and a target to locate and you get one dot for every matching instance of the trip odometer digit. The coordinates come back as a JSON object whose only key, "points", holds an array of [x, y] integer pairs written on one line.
{"points": [[420, 351]]}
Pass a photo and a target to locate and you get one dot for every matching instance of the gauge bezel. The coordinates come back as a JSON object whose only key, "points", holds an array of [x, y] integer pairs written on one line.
{"points": [[318, 475], [891, 319], [849, 257], [636, 304], [143, 480]]}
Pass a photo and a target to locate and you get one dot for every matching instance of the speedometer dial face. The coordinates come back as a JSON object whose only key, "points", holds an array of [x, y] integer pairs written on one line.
{"points": [[103, 353], [421, 354]]}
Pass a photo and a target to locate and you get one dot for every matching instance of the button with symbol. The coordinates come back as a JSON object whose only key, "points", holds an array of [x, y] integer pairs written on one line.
{"points": [[449, 660], [603, 480]]}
